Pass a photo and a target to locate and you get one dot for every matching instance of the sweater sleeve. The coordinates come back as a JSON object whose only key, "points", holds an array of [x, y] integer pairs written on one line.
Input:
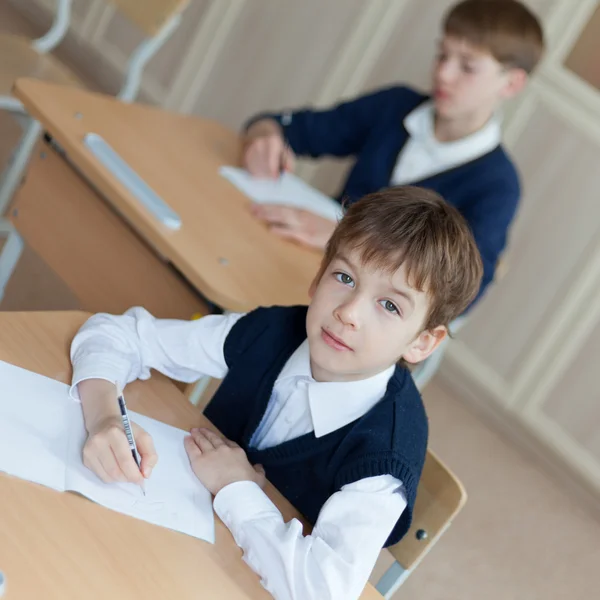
{"points": [[490, 221], [338, 131]]}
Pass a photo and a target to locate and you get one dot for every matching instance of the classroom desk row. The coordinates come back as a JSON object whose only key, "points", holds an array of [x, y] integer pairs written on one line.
{"points": [[112, 254], [110, 250]]}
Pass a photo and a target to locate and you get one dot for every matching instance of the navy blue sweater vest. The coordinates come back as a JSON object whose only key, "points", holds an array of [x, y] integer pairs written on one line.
{"points": [[390, 439]]}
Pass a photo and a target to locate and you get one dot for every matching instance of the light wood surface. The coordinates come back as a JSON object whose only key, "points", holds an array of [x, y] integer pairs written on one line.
{"points": [[440, 497], [103, 262], [221, 249], [150, 15], [19, 59], [60, 546]]}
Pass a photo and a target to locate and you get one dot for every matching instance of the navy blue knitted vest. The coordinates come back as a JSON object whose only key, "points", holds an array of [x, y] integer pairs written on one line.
{"points": [[390, 439]]}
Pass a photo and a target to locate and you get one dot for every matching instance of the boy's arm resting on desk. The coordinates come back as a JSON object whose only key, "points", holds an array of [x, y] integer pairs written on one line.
{"points": [[110, 349], [126, 347], [339, 131], [335, 561]]}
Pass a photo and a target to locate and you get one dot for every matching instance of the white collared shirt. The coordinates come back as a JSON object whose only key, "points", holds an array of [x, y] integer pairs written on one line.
{"points": [[300, 404], [336, 560], [423, 155]]}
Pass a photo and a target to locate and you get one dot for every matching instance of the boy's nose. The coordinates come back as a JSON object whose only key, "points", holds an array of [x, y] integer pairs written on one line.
{"points": [[348, 313], [445, 73]]}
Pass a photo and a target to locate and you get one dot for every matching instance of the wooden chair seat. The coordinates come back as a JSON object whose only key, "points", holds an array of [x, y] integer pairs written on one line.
{"points": [[440, 498], [18, 58]]}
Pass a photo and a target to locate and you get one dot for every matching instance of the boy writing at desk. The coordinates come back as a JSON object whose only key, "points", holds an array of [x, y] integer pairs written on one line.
{"points": [[319, 396], [448, 141]]}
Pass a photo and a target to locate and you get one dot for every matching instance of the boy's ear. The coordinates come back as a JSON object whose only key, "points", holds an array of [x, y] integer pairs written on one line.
{"points": [[515, 82], [425, 343]]}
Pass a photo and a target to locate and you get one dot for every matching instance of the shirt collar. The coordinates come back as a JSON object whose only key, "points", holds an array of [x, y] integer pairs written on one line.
{"points": [[336, 403], [420, 125]]}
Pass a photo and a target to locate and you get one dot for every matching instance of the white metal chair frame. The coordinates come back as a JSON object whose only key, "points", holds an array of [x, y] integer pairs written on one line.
{"points": [[14, 170]]}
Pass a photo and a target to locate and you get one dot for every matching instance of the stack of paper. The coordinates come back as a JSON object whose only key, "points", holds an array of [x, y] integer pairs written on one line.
{"points": [[42, 435], [287, 189]]}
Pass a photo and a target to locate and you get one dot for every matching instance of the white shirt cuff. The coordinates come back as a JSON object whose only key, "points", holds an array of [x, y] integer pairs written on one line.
{"points": [[255, 505], [103, 367]]}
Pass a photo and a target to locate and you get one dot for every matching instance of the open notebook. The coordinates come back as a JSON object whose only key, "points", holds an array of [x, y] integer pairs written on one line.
{"points": [[41, 440], [287, 189]]}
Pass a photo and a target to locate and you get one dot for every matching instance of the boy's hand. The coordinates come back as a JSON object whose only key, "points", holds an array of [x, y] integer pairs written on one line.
{"points": [[217, 461], [107, 453], [295, 224], [265, 152]]}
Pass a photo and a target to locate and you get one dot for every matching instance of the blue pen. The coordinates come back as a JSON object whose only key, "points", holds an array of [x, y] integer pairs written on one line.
{"points": [[128, 432]]}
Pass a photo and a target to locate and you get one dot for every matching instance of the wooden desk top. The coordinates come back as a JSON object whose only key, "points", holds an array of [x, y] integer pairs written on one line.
{"points": [[223, 251], [60, 546]]}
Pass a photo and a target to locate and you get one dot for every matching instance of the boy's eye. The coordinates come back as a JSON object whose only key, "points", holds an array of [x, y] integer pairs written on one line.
{"points": [[468, 68], [390, 306], [344, 278]]}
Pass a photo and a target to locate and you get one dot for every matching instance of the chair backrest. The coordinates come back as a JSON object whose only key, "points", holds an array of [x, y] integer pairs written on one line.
{"points": [[157, 19], [150, 15], [439, 499]]}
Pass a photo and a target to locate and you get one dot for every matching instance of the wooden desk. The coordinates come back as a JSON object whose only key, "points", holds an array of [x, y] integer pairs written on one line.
{"points": [[221, 249], [60, 546]]}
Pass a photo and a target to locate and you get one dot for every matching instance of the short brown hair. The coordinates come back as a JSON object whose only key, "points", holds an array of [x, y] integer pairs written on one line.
{"points": [[505, 28], [415, 227]]}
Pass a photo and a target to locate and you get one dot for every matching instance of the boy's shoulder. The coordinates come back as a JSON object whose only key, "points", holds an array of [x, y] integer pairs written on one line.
{"points": [[256, 327], [396, 98], [274, 317], [496, 168], [396, 427], [401, 412]]}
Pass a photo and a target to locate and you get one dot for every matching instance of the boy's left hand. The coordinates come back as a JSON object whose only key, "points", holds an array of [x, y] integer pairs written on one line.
{"points": [[217, 461], [295, 224]]}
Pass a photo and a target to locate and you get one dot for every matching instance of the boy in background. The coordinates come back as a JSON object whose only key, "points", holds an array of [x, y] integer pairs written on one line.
{"points": [[449, 141]]}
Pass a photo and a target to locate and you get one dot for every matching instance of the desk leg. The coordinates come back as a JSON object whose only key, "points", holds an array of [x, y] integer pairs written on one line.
{"points": [[11, 178], [10, 253]]}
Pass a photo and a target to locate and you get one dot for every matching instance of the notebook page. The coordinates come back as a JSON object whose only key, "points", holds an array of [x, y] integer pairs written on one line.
{"points": [[287, 189], [174, 498], [33, 426]]}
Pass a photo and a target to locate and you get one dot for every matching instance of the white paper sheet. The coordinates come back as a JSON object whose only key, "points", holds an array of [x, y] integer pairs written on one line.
{"points": [[287, 189], [42, 435], [34, 415]]}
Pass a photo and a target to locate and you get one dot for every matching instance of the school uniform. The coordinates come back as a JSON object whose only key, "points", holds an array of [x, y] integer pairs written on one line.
{"points": [[348, 455], [390, 133]]}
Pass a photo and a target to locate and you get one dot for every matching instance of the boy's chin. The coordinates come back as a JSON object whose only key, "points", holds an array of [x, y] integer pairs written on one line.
{"points": [[444, 109], [340, 368]]}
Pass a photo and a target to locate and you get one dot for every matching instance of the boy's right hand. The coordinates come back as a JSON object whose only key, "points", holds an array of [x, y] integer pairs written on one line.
{"points": [[107, 453], [265, 151]]}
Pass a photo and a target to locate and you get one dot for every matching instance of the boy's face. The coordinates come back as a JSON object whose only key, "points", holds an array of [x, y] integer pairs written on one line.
{"points": [[469, 82], [362, 321]]}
